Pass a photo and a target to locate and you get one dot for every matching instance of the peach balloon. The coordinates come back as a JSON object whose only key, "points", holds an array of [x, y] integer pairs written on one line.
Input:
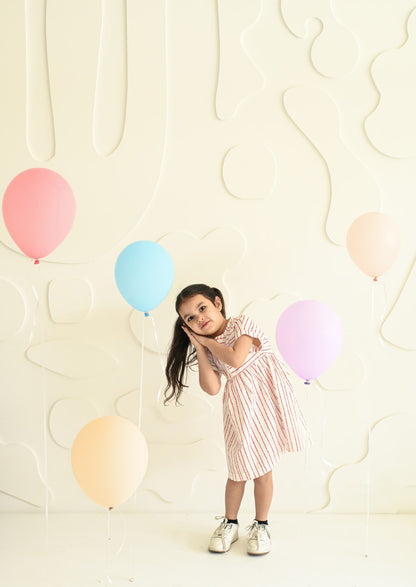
{"points": [[373, 243], [109, 459]]}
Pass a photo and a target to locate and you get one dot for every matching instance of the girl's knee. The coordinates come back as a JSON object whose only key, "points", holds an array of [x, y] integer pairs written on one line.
{"points": [[264, 479], [237, 483]]}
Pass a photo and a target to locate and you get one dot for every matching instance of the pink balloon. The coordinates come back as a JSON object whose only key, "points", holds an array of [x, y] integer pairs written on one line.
{"points": [[309, 337], [38, 210], [373, 243]]}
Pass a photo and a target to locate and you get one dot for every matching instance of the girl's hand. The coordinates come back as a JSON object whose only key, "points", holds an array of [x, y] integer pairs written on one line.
{"points": [[196, 340]]}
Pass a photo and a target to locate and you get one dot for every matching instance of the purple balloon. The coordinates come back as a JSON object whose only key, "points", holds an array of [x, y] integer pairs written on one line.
{"points": [[309, 337]]}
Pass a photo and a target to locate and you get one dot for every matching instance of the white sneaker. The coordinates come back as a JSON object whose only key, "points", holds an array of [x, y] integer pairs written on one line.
{"points": [[259, 541], [223, 536]]}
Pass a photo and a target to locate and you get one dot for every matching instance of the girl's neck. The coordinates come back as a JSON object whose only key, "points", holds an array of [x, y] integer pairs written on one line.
{"points": [[222, 328]]}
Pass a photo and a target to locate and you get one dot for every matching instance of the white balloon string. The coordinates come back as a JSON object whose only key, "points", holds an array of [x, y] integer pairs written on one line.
{"points": [[159, 354], [45, 445], [372, 311], [141, 364], [39, 324], [377, 316], [139, 418], [139, 414], [109, 557], [368, 482], [368, 497], [132, 552], [377, 319], [306, 456], [324, 417], [107, 569], [108, 541], [374, 326], [383, 313]]}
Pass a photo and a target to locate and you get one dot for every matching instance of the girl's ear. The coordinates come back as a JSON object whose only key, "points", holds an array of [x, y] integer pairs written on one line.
{"points": [[218, 303]]}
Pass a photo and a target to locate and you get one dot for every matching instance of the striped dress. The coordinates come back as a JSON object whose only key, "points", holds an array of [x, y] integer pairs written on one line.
{"points": [[262, 418]]}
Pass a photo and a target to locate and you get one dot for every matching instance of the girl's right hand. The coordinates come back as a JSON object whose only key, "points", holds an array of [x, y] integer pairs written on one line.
{"points": [[192, 338]]}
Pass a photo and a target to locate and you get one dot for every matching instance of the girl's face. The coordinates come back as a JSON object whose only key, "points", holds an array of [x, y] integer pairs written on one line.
{"points": [[202, 316]]}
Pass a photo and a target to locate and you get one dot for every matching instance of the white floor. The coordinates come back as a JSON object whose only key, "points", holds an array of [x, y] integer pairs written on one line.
{"points": [[80, 550]]}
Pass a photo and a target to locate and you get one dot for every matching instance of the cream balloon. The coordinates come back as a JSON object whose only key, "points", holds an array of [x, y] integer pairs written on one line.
{"points": [[109, 459], [373, 243]]}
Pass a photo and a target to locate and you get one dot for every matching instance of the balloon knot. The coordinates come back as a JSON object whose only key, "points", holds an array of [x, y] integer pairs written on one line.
{"points": [[146, 313], [307, 382], [37, 262], [375, 279]]}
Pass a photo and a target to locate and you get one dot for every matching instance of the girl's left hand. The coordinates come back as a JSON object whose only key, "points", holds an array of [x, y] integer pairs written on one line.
{"points": [[196, 339]]}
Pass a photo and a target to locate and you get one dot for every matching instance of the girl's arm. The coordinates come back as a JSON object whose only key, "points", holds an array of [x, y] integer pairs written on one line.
{"points": [[209, 380], [231, 355]]}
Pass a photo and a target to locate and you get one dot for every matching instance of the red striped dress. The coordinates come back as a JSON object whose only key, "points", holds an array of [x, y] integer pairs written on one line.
{"points": [[262, 418]]}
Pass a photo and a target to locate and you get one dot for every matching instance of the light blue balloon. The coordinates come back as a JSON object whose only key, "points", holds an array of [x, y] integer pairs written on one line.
{"points": [[144, 274]]}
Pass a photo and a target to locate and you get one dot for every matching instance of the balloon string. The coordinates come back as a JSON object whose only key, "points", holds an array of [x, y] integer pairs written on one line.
{"points": [[109, 559], [377, 319], [159, 354], [368, 476], [45, 446], [372, 309], [139, 422], [306, 459], [376, 322], [368, 497], [373, 326], [132, 554], [139, 413], [107, 550], [39, 324], [324, 414], [383, 313]]}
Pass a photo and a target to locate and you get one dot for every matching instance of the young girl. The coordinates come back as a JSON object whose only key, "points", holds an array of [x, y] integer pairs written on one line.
{"points": [[262, 419]]}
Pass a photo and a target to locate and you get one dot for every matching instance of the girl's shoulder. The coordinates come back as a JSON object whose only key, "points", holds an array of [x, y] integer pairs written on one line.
{"points": [[245, 319], [240, 325]]}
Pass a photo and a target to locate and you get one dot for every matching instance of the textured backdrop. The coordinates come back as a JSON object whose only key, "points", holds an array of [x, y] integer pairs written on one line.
{"points": [[244, 136]]}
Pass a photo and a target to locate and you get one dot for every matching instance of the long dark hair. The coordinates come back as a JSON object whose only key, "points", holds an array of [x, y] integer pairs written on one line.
{"points": [[181, 353]]}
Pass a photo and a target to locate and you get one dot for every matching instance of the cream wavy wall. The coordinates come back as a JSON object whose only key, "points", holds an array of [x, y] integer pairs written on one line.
{"points": [[244, 136]]}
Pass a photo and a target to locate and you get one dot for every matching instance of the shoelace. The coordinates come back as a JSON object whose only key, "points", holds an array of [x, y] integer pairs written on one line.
{"points": [[254, 529], [224, 524]]}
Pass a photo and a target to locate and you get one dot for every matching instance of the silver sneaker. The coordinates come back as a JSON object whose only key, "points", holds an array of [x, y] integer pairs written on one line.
{"points": [[259, 541], [223, 536]]}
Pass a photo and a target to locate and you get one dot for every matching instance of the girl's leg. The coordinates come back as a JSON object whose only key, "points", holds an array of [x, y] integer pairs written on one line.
{"points": [[263, 493], [234, 491], [226, 533]]}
